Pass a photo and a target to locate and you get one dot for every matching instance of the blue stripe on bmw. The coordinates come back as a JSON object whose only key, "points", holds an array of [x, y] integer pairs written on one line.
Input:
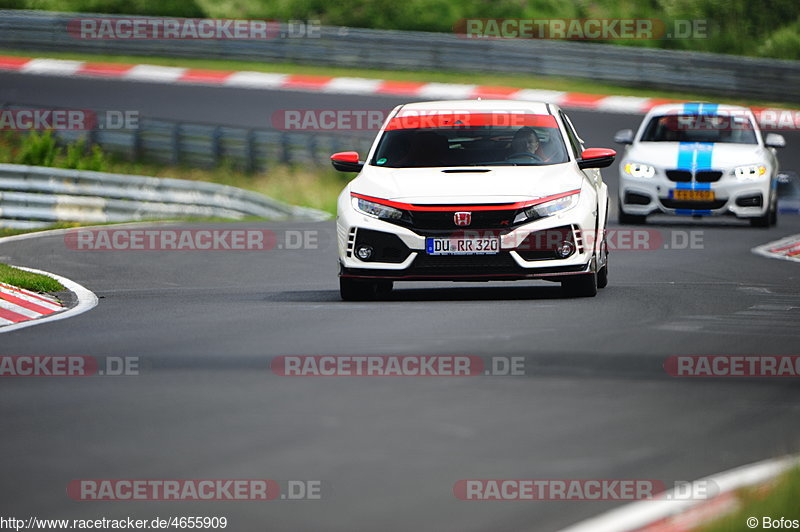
{"points": [[685, 155], [693, 186], [691, 108], [703, 158]]}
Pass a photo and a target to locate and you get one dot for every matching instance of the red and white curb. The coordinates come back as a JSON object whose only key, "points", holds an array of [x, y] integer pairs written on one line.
{"points": [[18, 305], [671, 513], [22, 308], [786, 249], [331, 85]]}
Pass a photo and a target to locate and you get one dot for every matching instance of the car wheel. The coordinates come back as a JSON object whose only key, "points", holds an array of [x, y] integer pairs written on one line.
{"points": [[583, 285], [762, 221], [773, 218], [383, 289], [602, 277], [631, 219], [359, 290]]}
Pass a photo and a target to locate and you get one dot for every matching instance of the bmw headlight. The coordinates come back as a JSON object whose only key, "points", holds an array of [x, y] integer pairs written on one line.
{"points": [[549, 208], [639, 170], [377, 210], [750, 172]]}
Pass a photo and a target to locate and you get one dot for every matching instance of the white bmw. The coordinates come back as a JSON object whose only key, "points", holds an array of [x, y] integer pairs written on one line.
{"points": [[699, 159], [473, 191]]}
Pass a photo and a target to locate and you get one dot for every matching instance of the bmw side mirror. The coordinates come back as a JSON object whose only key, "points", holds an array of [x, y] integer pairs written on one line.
{"points": [[596, 158], [624, 136], [773, 140], [346, 161]]}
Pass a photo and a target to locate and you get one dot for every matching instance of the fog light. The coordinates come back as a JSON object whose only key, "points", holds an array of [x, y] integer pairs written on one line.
{"points": [[364, 252], [565, 249]]}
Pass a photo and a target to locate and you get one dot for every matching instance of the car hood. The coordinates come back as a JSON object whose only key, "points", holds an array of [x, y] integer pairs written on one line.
{"points": [[685, 155], [491, 184]]}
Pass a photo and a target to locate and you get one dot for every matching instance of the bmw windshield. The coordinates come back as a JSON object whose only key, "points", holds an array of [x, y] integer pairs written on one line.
{"points": [[733, 129], [470, 140]]}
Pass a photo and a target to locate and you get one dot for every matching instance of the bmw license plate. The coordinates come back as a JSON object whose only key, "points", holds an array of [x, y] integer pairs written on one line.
{"points": [[462, 245], [692, 195]]}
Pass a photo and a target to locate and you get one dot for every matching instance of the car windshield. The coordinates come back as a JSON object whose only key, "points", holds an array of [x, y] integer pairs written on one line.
{"points": [[534, 140], [734, 129]]}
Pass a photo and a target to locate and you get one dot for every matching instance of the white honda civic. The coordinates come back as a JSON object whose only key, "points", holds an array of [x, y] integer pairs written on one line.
{"points": [[475, 190], [699, 159]]}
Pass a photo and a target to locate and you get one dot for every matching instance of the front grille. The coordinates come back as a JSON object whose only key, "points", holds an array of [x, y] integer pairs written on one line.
{"points": [[680, 176], [632, 198], [443, 220], [503, 262], [707, 176], [701, 176], [696, 205]]}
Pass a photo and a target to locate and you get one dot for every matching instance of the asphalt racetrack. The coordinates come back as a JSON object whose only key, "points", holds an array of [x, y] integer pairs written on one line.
{"points": [[595, 400]]}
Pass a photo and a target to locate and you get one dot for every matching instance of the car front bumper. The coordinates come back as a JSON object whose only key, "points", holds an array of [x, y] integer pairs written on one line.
{"points": [[644, 196], [525, 250]]}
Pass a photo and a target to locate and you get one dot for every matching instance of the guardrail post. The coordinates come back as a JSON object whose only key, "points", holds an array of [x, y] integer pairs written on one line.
{"points": [[91, 135], [286, 149], [176, 144], [216, 145], [137, 150], [312, 148], [250, 150]]}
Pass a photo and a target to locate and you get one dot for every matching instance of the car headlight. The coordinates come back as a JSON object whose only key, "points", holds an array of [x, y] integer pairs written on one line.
{"points": [[377, 210], [549, 208], [749, 172], [639, 170]]}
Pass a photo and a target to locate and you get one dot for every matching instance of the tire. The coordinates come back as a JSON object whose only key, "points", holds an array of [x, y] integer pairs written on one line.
{"points": [[357, 290], [602, 277], [383, 289], [583, 285], [773, 218], [762, 221], [631, 219]]}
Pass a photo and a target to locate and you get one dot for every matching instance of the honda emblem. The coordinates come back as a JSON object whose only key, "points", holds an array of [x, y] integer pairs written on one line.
{"points": [[462, 218]]}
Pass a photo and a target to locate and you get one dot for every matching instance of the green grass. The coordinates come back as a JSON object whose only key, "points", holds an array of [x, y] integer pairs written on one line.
{"points": [[509, 80], [7, 231], [27, 280], [779, 500], [307, 186]]}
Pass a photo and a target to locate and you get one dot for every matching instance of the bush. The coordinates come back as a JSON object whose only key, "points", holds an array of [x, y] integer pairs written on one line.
{"points": [[38, 149], [784, 43]]}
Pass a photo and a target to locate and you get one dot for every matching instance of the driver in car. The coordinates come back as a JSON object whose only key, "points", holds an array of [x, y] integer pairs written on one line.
{"points": [[526, 144]]}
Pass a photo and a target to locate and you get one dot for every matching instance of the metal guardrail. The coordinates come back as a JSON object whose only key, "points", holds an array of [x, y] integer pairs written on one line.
{"points": [[35, 196], [209, 146], [363, 48]]}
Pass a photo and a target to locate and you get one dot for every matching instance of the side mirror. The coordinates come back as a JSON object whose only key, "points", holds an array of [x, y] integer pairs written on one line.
{"points": [[773, 140], [346, 161], [624, 136], [596, 158]]}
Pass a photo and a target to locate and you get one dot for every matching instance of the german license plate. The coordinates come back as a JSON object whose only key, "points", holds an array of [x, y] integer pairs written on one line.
{"points": [[692, 195], [462, 245]]}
